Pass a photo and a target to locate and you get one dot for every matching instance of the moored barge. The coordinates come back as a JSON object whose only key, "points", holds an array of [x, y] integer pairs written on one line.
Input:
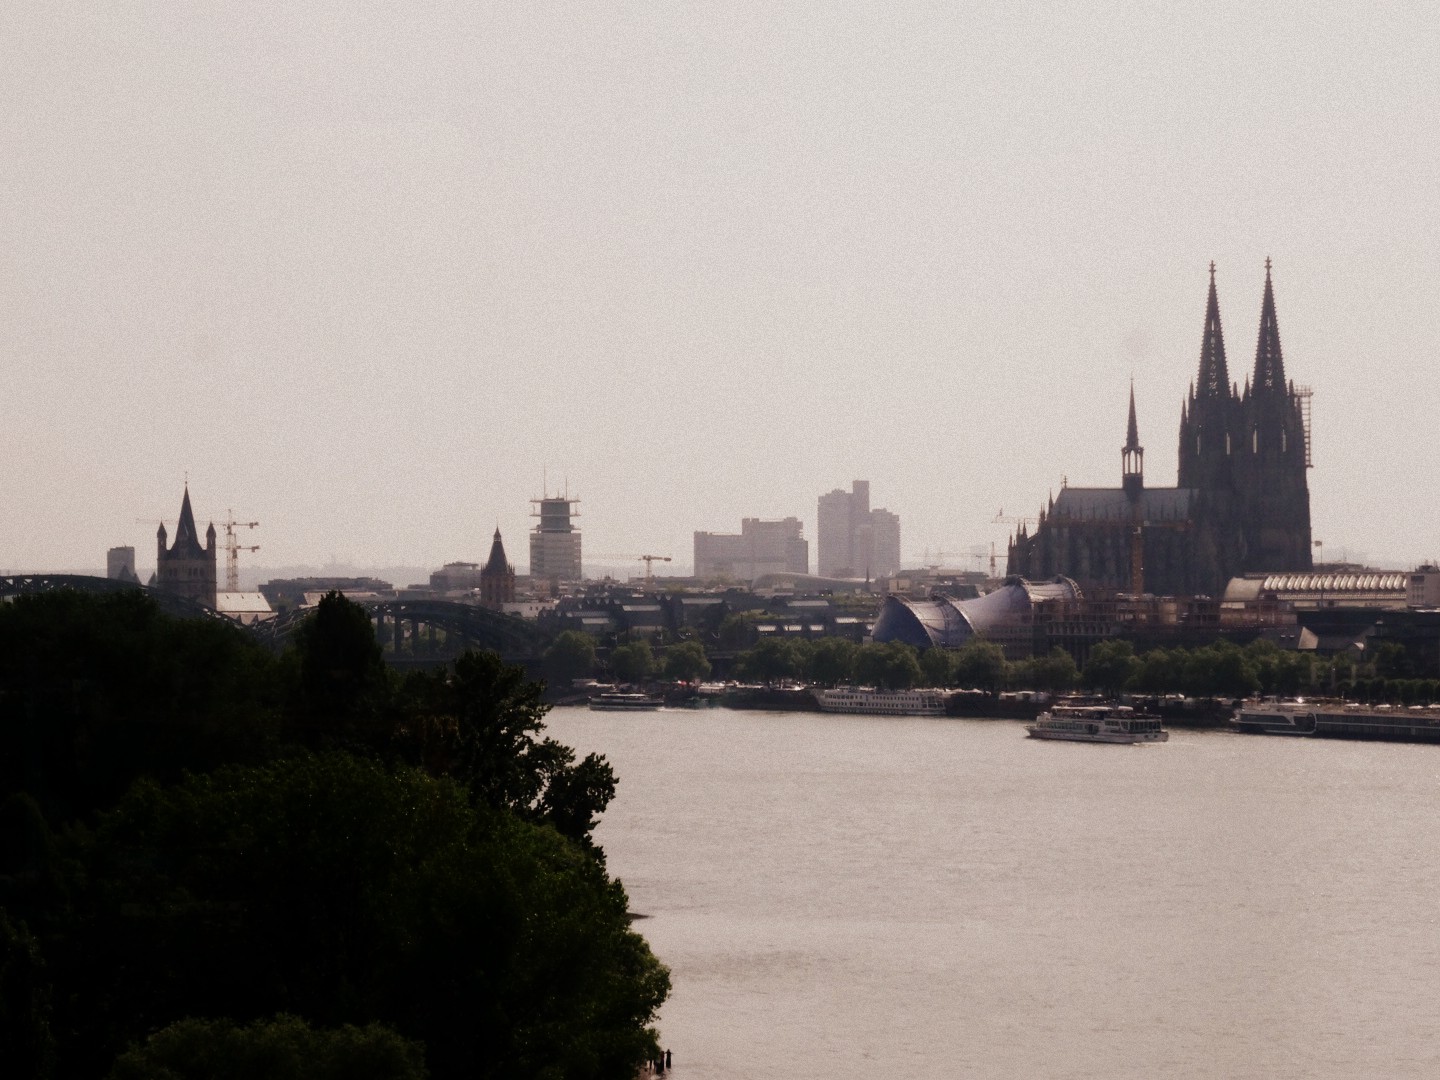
{"points": [[1332, 720]]}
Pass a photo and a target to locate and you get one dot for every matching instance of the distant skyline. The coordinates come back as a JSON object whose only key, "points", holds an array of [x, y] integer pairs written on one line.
{"points": [[369, 275]]}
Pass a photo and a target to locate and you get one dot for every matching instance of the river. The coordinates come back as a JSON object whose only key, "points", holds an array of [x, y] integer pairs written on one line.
{"points": [[861, 896]]}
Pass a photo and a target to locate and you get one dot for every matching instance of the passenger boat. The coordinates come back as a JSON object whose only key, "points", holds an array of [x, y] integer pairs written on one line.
{"points": [[617, 701], [1337, 720], [1097, 723], [862, 699]]}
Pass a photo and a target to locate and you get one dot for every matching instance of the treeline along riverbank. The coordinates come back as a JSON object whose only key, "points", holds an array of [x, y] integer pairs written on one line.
{"points": [[220, 862]]}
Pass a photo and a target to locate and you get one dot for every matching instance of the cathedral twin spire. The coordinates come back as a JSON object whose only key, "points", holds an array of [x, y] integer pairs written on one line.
{"points": [[1269, 364], [1214, 379], [1269, 374]]}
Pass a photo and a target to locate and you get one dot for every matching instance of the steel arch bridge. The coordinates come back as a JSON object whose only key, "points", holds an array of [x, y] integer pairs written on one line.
{"points": [[421, 632], [34, 584], [427, 631]]}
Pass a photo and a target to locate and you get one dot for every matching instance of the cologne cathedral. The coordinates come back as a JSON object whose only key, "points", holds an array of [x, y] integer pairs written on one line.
{"points": [[1241, 504]]}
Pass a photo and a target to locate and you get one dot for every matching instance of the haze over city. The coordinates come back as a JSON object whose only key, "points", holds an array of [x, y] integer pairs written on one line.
{"points": [[374, 276]]}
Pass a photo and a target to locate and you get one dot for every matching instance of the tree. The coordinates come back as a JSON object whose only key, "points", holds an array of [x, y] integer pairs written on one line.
{"points": [[632, 662], [937, 667], [1054, 671], [27, 1043], [686, 661], [479, 724], [891, 665], [285, 1048], [980, 664], [771, 660], [343, 678], [1160, 671], [1220, 669], [96, 690], [570, 656], [831, 661], [336, 890], [1391, 661], [1110, 666]]}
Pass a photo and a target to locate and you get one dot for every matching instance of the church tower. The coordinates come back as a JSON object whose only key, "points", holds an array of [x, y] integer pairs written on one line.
{"points": [[1209, 418], [1271, 462], [497, 579], [185, 568]]}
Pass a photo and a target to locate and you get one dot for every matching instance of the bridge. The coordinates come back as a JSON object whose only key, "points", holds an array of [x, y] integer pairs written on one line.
{"points": [[411, 632], [428, 632], [32, 584]]}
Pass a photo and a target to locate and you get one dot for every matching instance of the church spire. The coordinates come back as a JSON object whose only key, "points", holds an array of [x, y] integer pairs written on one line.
{"points": [[1269, 364], [497, 563], [1132, 455], [1214, 380]]}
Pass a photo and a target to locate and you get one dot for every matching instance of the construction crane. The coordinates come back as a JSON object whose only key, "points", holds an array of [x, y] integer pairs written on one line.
{"points": [[233, 547], [649, 561]]}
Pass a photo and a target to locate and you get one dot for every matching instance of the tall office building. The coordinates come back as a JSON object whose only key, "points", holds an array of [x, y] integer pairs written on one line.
{"points": [[555, 541], [120, 564], [855, 541]]}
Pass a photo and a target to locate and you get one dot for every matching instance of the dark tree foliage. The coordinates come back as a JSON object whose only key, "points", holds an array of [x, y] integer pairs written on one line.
{"points": [[1110, 666], [937, 667], [340, 891], [831, 661], [285, 1048], [632, 662], [1055, 671], [892, 666], [686, 661], [98, 690], [242, 877], [344, 683], [570, 656], [980, 665], [771, 660], [479, 724], [27, 1042]]}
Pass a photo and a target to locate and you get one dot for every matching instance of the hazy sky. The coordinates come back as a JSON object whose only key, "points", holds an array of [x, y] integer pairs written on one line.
{"points": [[366, 270]]}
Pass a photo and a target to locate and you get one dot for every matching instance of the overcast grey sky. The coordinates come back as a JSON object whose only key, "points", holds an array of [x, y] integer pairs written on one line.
{"points": [[365, 270]]}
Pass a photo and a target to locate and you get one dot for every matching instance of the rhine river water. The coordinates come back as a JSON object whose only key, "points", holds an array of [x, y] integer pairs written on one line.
{"points": [[863, 896]]}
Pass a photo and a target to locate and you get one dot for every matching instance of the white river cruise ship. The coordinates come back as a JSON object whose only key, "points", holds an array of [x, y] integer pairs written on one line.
{"points": [[860, 699], [1097, 723]]}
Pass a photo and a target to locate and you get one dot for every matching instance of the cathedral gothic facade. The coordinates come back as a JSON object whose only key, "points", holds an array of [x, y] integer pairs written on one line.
{"points": [[1241, 503]]}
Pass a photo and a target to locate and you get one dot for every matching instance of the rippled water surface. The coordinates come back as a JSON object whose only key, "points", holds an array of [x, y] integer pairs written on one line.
{"points": [[838, 895]]}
